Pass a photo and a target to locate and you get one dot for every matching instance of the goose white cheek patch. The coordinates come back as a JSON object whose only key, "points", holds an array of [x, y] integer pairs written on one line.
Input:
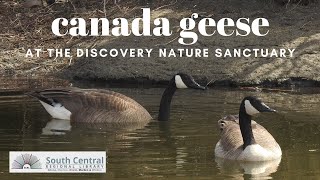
{"points": [[249, 108], [179, 83]]}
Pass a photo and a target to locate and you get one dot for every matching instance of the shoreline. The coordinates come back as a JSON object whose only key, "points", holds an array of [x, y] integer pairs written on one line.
{"points": [[18, 86]]}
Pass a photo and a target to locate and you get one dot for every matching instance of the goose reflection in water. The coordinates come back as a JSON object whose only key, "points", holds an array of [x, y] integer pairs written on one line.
{"points": [[61, 127], [56, 127], [257, 169]]}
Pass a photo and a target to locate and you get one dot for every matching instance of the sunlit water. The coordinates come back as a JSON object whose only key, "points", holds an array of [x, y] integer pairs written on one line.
{"points": [[180, 148]]}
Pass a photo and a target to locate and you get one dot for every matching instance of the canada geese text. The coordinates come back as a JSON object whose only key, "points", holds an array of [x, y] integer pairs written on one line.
{"points": [[94, 106], [243, 138]]}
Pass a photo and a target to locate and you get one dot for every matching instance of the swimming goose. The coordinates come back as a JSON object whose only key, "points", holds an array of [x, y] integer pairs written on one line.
{"points": [[244, 139], [96, 106]]}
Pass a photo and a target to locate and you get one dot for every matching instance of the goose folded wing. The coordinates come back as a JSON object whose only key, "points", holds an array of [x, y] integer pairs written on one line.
{"points": [[263, 137], [76, 100]]}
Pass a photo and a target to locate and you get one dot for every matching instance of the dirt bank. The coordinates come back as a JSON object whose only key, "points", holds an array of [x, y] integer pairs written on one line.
{"points": [[291, 26]]}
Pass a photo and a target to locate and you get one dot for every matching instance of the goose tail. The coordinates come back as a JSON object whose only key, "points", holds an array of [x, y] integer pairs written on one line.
{"points": [[53, 107]]}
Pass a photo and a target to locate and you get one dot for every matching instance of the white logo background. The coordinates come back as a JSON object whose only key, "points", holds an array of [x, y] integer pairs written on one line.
{"points": [[57, 162]]}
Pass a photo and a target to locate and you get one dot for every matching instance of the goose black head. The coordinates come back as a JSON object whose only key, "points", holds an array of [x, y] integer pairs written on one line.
{"points": [[253, 105], [182, 80]]}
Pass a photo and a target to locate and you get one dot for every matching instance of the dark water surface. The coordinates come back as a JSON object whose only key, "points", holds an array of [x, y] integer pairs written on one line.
{"points": [[182, 148]]}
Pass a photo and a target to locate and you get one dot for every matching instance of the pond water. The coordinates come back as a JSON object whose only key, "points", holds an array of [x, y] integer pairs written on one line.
{"points": [[180, 148]]}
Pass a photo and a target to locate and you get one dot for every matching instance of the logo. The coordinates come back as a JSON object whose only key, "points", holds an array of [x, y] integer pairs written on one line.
{"points": [[57, 162], [26, 161]]}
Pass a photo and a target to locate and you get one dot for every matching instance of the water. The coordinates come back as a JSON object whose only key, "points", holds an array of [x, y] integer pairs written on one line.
{"points": [[181, 148]]}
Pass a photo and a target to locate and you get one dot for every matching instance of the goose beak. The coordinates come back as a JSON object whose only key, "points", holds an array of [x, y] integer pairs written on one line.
{"points": [[266, 108], [195, 85], [270, 110]]}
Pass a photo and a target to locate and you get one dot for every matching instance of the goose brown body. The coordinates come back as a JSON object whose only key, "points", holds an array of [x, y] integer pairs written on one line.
{"points": [[230, 146], [95, 105], [99, 105]]}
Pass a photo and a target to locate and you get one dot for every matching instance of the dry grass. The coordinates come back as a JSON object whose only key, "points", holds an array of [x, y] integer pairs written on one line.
{"points": [[302, 2], [24, 28]]}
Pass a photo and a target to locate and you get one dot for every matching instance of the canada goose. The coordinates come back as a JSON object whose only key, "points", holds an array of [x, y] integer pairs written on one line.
{"points": [[243, 138], [96, 106]]}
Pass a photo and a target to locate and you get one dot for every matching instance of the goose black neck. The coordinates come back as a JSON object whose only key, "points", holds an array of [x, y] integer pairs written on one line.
{"points": [[245, 127], [164, 111]]}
